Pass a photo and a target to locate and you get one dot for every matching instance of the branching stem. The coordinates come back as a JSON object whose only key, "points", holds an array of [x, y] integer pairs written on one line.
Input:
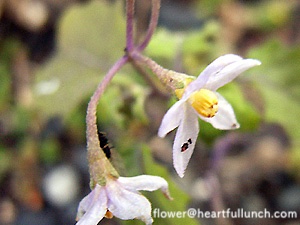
{"points": [[152, 25]]}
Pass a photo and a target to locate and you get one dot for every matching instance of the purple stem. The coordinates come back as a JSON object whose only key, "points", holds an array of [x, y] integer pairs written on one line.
{"points": [[152, 25], [129, 24], [217, 203], [221, 149], [91, 119]]}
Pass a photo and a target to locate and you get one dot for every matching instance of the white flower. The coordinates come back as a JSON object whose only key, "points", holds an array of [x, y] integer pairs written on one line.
{"points": [[120, 197], [200, 99]]}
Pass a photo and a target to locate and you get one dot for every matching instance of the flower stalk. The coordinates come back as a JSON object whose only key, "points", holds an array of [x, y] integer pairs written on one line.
{"points": [[129, 24], [172, 79], [152, 25], [111, 194], [99, 165]]}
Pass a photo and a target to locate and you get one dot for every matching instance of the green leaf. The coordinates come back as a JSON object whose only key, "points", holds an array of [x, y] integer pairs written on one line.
{"points": [[278, 81], [164, 44], [6, 160], [123, 102], [8, 47], [168, 46], [90, 39]]}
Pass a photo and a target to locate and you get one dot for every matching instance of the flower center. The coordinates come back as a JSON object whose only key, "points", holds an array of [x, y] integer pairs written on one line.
{"points": [[205, 102]]}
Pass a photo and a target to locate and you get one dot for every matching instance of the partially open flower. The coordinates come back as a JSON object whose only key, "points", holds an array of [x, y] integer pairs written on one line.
{"points": [[120, 197], [200, 99]]}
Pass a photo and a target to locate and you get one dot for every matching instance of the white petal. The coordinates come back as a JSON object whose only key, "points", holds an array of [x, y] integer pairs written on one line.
{"points": [[84, 204], [229, 72], [225, 117], [187, 131], [210, 71], [171, 119], [126, 204], [145, 183], [93, 207]]}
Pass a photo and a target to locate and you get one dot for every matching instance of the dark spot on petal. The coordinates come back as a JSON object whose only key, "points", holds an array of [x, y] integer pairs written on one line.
{"points": [[185, 145]]}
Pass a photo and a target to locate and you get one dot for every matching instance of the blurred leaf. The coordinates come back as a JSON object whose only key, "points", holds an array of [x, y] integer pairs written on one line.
{"points": [[199, 44], [278, 80], [90, 39], [5, 162], [165, 44], [8, 49], [49, 151], [208, 7], [123, 102], [270, 15], [294, 161]]}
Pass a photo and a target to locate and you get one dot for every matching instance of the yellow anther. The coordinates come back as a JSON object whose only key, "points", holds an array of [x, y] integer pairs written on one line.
{"points": [[108, 214], [205, 102], [179, 92]]}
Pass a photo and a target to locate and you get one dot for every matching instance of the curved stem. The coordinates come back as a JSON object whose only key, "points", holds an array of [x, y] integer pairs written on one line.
{"points": [[129, 24], [98, 163], [152, 24], [154, 83], [170, 78], [92, 106]]}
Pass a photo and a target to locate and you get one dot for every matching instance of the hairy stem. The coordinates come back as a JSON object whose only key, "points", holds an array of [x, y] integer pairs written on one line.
{"points": [[170, 78], [152, 25], [99, 165], [154, 83], [129, 24]]}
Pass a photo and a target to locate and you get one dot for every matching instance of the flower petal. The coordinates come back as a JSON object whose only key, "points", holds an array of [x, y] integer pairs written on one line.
{"points": [[84, 204], [126, 204], [210, 71], [225, 118], [171, 119], [93, 207], [229, 72], [185, 139], [145, 183]]}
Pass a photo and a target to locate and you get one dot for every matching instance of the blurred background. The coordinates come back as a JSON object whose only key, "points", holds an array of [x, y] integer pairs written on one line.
{"points": [[53, 53]]}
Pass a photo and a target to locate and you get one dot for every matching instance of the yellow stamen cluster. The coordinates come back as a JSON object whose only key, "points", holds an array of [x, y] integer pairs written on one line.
{"points": [[205, 102]]}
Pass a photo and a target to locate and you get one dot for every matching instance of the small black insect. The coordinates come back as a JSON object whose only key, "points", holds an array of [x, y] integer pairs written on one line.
{"points": [[185, 145], [104, 144]]}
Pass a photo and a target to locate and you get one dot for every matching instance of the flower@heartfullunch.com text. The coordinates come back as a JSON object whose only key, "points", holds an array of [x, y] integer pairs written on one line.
{"points": [[228, 213]]}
